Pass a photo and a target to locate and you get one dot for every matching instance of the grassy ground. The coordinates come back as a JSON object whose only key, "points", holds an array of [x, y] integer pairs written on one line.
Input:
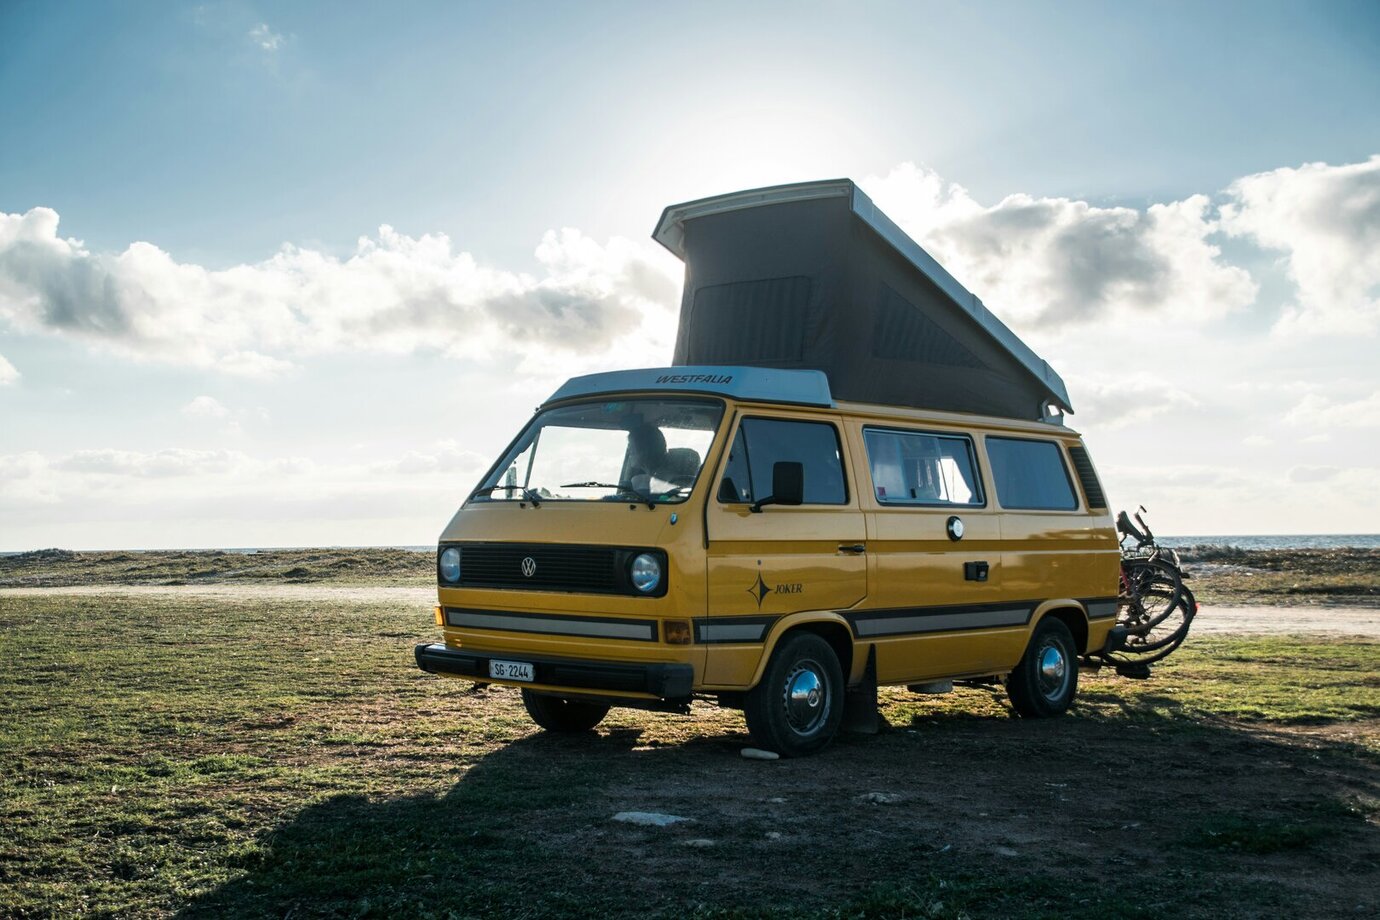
{"points": [[1219, 575], [191, 755], [60, 567], [1224, 575]]}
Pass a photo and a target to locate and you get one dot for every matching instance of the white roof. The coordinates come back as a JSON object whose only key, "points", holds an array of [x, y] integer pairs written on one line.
{"points": [[755, 384]]}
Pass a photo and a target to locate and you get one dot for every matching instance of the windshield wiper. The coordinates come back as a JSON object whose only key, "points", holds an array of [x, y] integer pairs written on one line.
{"points": [[625, 487], [532, 495]]}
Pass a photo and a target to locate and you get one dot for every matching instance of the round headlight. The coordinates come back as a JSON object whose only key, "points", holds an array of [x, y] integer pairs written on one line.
{"points": [[646, 573], [450, 564]]}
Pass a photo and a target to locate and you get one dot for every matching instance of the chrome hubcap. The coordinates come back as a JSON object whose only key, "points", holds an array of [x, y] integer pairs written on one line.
{"points": [[1054, 671], [806, 697]]}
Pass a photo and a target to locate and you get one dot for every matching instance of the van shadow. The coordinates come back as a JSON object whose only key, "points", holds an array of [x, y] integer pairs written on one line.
{"points": [[528, 830], [425, 854]]}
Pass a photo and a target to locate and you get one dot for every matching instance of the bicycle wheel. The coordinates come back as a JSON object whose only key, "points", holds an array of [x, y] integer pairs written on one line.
{"points": [[1151, 592], [1163, 637]]}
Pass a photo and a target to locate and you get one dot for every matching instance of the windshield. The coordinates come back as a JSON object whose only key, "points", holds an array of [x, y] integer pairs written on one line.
{"points": [[636, 450]]}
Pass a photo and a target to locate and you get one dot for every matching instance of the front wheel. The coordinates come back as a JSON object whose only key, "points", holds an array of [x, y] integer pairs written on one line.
{"points": [[557, 714], [1046, 680], [797, 706]]}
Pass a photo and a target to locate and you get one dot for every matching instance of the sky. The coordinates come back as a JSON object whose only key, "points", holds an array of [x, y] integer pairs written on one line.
{"points": [[293, 274]]}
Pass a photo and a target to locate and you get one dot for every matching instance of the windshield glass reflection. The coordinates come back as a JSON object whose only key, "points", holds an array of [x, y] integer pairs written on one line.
{"points": [[640, 450]]}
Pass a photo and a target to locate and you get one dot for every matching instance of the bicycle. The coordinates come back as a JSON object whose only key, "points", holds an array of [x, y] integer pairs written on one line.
{"points": [[1156, 607]]}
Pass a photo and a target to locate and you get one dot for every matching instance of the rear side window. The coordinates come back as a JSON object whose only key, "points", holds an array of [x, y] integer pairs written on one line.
{"points": [[914, 468], [761, 442], [1030, 475]]}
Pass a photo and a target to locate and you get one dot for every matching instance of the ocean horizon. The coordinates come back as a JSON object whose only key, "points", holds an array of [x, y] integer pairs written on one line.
{"points": [[1237, 541]]}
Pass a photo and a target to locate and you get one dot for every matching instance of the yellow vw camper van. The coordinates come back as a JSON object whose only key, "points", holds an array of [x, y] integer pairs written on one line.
{"points": [[774, 522], [656, 535]]}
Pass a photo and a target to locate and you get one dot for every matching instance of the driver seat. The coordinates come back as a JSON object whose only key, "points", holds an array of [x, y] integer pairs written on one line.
{"points": [[680, 467]]}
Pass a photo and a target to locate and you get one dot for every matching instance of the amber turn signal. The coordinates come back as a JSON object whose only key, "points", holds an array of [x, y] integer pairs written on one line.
{"points": [[440, 619], [677, 632]]}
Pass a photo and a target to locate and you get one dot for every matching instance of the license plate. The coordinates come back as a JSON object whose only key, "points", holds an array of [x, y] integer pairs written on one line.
{"points": [[511, 670]]}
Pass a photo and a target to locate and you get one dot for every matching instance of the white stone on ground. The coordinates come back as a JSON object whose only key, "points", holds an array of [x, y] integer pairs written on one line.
{"points": [[648, 818], [759, 754], [879, 798]]}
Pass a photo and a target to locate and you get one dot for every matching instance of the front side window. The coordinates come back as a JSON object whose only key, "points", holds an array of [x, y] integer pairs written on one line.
{"points": [[761, 442], [623, 450], [914, 468], [1030, 475]]}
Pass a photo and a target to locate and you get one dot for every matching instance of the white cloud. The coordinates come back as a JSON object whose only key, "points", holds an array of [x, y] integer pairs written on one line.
{"points": [[187, 497], [446, 457], [1315, 411], [1313, 473], [205, 407], [395, 294], [1326, 221], [157, 464], [265, 37], [1054, 262], [8, 373], [1126, 400], [1204, 499]]}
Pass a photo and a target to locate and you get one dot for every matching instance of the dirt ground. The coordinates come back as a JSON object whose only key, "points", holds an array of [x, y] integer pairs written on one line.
{"points": [[1216, 619], [268, 748]]}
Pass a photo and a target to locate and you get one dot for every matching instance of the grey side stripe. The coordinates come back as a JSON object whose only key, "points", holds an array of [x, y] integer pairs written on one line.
{"points": [[596, 627], [1101, 608], [938, 622], [732, 629]]}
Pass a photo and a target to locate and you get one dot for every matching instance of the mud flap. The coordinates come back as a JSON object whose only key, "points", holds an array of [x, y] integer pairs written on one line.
{"points": [[860, 715], [1133, 670]]}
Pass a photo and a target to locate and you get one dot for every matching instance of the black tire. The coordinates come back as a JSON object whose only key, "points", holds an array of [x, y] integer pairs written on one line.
{"points": [[1154, 590], [1166, 636], [797, 706], [1035, 689], [557, 714]]}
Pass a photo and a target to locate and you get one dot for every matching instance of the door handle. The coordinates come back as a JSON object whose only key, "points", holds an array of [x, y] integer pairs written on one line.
{"points": [[853, 548], [975, 571]]}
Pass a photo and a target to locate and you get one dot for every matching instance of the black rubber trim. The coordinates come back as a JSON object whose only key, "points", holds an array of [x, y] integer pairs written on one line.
{"points": [[1103, 603], [666, 681]]}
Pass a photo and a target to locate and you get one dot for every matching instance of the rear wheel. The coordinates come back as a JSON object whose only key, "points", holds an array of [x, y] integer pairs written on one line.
{"points": [[1046, 680], [797, 706], [557, 714]]}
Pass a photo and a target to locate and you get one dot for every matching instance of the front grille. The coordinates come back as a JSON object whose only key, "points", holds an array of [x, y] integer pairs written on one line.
{"points": [[579, 569]]}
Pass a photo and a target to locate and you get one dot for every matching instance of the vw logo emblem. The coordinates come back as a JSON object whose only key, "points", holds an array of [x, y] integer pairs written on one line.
{"points": [[529, 566]]}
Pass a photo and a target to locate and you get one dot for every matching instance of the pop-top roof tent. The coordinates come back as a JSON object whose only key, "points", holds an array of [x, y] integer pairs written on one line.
{"points": [[814, 276]]}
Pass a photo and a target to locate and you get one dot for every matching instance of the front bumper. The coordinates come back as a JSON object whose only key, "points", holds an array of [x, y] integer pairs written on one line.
{"points": [[660, 680]]}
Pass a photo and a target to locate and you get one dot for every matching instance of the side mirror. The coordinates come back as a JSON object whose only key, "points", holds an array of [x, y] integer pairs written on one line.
{"points": [[787, 485]]}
